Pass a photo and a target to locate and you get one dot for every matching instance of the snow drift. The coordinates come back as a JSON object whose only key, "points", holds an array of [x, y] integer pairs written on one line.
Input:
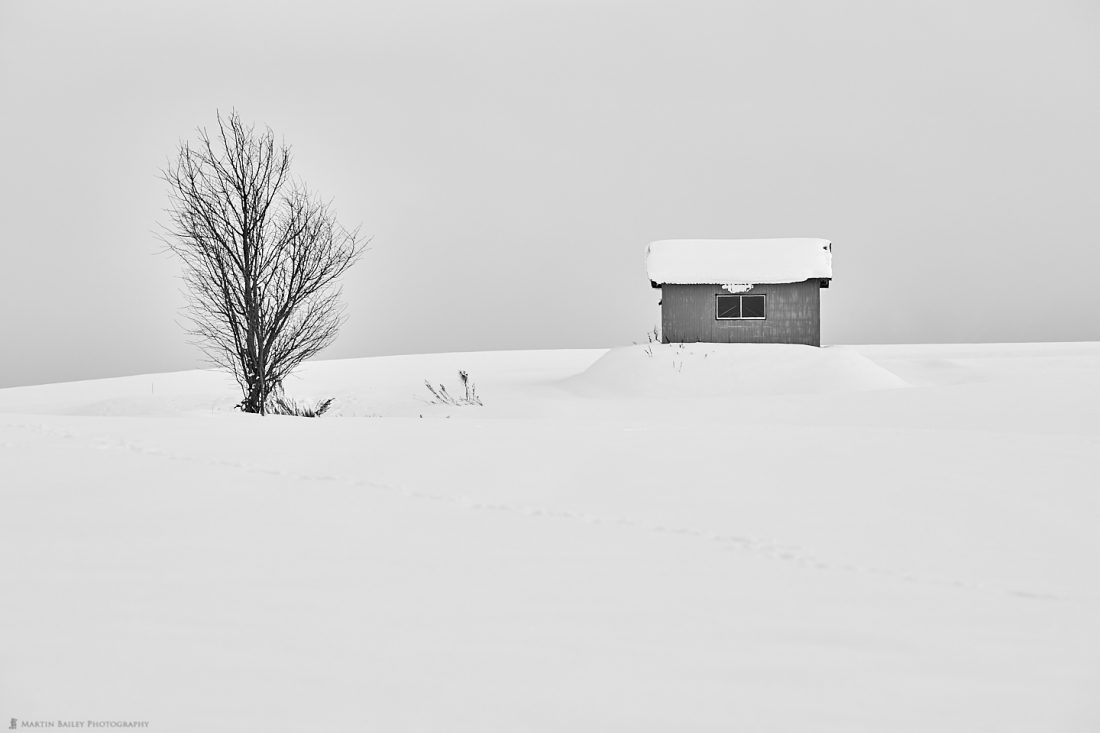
{"points": [[705, 370]]}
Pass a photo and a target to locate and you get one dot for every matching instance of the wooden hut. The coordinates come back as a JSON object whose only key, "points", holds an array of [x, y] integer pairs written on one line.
{"points": [[760, 291]]}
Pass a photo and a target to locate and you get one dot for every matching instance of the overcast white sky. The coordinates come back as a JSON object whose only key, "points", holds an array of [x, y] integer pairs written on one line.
{"points": [[512, 158]]}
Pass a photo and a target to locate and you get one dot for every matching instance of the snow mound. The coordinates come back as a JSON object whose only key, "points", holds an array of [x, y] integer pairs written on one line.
{"points": [[705, 370]]}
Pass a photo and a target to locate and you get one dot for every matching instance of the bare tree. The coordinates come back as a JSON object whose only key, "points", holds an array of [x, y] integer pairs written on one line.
{"points": [[261, 256]]}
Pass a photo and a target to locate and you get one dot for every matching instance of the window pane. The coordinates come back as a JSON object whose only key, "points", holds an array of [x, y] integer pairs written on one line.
{"points": [[729, 306], [752, 306]]}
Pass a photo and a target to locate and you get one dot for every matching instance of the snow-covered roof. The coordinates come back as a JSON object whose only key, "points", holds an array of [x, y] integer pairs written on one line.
{"points": [[706, 261]]}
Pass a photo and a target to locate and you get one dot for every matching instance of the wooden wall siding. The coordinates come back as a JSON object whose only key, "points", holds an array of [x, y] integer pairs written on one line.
{"points": [[793, 317]]}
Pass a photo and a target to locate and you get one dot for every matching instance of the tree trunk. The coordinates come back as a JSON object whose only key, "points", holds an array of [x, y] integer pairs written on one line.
{"points": [[255, 400]]}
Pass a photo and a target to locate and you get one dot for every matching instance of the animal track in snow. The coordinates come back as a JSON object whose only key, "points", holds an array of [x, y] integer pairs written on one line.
{"points": [[735, 543]]}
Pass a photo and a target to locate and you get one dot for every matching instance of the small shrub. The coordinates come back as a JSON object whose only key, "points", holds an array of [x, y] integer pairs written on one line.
{"points": [[440, 395], [652, 337], [282, 405]]}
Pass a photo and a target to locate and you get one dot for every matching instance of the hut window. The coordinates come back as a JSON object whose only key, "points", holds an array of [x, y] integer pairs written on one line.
{"points": [[741, 307]]}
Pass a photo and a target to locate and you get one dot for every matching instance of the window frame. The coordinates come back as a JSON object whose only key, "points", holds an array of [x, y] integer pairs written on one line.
{"points": [[719, 296]]}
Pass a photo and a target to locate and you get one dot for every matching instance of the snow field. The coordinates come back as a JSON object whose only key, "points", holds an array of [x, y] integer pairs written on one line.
{"points": [[897, 538]]}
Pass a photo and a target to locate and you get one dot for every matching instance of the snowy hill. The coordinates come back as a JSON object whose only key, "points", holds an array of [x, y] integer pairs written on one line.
{"points": [[643, 538]]}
